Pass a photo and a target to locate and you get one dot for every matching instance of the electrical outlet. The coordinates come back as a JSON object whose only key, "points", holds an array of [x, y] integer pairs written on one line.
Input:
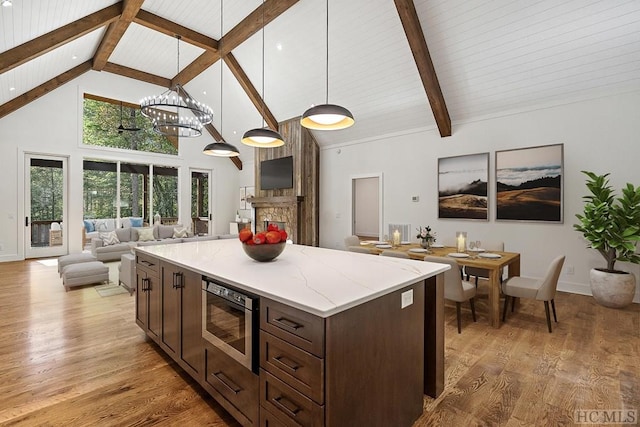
{"points": [[407, 298], [415, 198], [569, 270]]}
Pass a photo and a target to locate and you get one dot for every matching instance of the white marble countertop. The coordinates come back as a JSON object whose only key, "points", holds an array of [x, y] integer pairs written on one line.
{"points": [[317, 280]]}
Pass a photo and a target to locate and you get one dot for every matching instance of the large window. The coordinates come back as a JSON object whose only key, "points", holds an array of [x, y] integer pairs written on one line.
{"points": [[112, 123], [112, 186]]}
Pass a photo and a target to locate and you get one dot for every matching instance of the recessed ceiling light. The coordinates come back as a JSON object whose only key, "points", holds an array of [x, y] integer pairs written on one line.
{"points": [[11, 89], [279, 46], [6, 3], [204, 92], [234, 132], [74, 57]]}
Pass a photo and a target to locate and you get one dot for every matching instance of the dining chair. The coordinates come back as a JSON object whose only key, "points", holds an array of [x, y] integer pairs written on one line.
{"points": [[395, 254], [540, 289], [481, 272], [359, 249], [351, 241], [455, 288]]}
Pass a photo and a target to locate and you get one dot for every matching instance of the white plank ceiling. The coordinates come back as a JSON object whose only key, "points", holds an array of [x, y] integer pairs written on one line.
{"points": [[491, 57]]}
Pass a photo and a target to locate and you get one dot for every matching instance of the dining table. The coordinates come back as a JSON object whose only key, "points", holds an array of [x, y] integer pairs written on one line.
{"points": [[495, 262]]}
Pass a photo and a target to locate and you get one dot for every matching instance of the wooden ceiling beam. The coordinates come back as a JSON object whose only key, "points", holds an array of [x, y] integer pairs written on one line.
{"points": [[43, 89], [254, 23], [121, 70], [198, 66], [114, 33], [251, 91], [170, 28], [418, 44], [47, 42]]}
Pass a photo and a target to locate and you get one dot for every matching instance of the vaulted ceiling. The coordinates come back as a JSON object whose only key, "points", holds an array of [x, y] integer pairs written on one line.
{"points": [[484, 58]]}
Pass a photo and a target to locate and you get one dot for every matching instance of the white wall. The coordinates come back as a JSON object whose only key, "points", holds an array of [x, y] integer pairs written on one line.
{"points": [[600, 135], [366, 207], [53, 125]]}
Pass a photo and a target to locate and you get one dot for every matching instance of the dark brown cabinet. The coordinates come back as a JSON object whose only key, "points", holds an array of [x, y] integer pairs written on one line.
{"points": [[237, 384], [181, 335], [148, 296]]}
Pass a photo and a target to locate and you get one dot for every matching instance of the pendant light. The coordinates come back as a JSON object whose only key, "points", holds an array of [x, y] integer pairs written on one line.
{"points": [[327, 116], [221, 148], [186, 116], [262, 137]]}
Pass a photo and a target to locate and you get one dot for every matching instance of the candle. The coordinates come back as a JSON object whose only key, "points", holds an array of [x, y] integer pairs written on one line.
{"points": [[396, 238], [461, 241]]}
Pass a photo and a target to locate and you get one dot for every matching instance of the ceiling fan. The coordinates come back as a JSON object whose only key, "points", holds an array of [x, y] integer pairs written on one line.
{"points": [[122, 128]]}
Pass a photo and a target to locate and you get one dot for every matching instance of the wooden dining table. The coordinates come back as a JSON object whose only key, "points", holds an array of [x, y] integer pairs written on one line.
{"points": [[510, 260]]}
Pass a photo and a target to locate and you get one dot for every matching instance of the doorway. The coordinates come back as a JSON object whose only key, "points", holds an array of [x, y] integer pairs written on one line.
{"points": [[201, 218], [366, 211], [45, 205]]}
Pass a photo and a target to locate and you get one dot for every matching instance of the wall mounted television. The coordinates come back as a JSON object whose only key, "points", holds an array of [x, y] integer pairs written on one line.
{"points": [[276, 173]]}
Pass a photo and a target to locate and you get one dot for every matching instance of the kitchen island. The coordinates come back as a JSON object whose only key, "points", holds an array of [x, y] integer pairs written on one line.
{"points": [[344, 338]]}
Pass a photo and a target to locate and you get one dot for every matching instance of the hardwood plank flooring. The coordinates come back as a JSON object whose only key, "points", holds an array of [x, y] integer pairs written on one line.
{"points": [[78, 359]]}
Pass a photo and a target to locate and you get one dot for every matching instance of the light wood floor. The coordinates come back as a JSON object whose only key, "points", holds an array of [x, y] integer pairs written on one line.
{"points": [[78, 359]]}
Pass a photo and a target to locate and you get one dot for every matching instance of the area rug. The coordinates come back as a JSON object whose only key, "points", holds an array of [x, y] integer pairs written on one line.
{"points": [[110, 290]]}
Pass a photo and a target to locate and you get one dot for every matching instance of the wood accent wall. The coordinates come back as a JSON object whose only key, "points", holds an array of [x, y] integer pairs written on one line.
{"points": [[297, 206]]}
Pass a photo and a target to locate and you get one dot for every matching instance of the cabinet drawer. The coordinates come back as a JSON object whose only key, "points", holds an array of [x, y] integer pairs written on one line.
{"points": [[297, 368], [287, 404], [148, 263], [233, 381], [301, 329], [267, 419]]}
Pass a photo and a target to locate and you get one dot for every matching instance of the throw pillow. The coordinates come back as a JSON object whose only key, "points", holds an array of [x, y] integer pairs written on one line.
{"points": [[136, 222], [89, 226], [145, 234], [179, 232], [110, 238]]}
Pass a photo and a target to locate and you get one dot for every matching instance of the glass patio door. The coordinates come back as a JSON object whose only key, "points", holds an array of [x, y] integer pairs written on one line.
{"points": [[45, 198], [201, 220]]}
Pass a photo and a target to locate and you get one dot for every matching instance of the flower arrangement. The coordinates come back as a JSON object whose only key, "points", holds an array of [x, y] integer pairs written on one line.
{"points": [[424, 233]]}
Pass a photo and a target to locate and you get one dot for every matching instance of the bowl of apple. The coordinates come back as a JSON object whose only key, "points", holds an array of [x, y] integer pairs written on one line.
{"points": [[265, 245]]}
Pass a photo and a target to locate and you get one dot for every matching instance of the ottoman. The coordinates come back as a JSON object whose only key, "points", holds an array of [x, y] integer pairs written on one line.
{"points": [[66, 260], [84, 273]]}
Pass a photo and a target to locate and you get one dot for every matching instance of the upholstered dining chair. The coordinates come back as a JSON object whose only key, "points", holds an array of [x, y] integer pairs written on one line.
{"points": [[455, 288], [351, 241], [481, 272], [540, 289], [394, 254], [359, 249]]}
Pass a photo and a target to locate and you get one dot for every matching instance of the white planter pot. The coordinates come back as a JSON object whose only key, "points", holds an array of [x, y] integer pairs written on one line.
{"points": [[615, 290]]}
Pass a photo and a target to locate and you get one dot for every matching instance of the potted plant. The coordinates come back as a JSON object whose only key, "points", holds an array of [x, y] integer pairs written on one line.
{"points": [[612, 226]]}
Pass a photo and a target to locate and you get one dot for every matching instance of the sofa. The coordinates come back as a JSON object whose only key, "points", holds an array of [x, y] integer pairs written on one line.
{"points": [[107, 248], [91, 228]]}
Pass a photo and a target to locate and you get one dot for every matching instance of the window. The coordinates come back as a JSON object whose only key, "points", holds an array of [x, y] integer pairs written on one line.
{"points": [[165, 193], [117, 124], [100, 185]]}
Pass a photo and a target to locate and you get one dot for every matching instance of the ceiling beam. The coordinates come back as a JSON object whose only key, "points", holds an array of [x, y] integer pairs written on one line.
{"points": [[254, 23], [170, 28], [121, 70], [251, 91], [114, 33], [43, 89], [418, 44], [47, 42], [194, 69]]}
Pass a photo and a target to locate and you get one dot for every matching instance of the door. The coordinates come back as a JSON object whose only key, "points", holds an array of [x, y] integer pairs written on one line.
{"points": [[367, 207], [200, 201], [45, 199]]}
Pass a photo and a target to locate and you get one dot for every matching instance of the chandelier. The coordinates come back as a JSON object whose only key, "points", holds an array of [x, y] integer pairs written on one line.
{"points": [[174, 112]]}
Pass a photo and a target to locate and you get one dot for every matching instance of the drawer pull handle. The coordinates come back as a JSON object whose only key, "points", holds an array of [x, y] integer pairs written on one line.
{"points": [[285, 404], [282, 361], [234, 388], [177, 280], [147, 263], [146, 284], [287, 324]]}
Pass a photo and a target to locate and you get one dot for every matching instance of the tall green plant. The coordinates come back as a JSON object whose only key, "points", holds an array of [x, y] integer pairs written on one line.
{"points": [[610, 224]]}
